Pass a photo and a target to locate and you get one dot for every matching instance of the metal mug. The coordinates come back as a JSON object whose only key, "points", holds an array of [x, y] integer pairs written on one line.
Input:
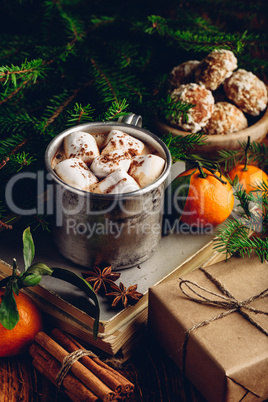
{"points": [[121, 230]]}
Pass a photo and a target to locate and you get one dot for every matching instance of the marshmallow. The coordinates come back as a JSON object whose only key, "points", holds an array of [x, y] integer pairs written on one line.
{"points": [[100, 138], [75, 172], [117, 182], [145, 169], [81, 145], [103, 165], [147, 150], [118, 140]]}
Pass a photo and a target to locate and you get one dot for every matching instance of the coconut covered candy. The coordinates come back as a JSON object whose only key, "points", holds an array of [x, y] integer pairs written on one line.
{"points": [[200, 113], [234, 94], [247, 92], [226, 118]]}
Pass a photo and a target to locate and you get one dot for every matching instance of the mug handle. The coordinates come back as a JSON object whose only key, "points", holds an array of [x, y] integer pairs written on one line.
{"points": [[131, 118], [176, 168]]}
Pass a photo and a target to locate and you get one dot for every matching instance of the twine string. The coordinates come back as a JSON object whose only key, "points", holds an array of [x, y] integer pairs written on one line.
{"points": [[225, 300], [68, 361]]}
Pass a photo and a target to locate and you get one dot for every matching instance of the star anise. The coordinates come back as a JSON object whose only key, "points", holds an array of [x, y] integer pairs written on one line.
{"points": [[124, 295], [100, 278]]}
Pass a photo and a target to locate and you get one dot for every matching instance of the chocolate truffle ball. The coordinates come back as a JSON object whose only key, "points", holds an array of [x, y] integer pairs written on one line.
{"points": [[200, 113], [247, 91], [215, 68], [226, 118]]}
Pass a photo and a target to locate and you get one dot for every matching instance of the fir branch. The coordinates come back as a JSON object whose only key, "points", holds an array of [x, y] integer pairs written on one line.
{"points": [[258, 152], [191, 40], [126, 53], [5, 226], [22, 159], [230, 158], [243, 198], [80, 114], [17, 90], [229, 237], [28, 71], [116, 110], [256, 245], [101, 20], [7, 53], [43, 125], [61, 108], [180, 146], [14, 150], [40, 221], [14, 123], [193, 37], [74, 27], [102, 81], [158, 24], [234, 236], [130, 84]]}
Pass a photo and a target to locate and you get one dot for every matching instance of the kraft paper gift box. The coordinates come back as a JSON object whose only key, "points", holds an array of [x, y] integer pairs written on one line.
{"points": [[221, 344]]}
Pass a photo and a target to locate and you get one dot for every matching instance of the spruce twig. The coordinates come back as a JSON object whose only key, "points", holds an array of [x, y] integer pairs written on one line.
{"points": [[238, 236]]}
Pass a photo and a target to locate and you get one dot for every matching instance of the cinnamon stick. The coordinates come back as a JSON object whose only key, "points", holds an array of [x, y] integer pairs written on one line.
{"points": [[73, 397], [90, 380], [49, 367], [107, 374], [128, 387]]}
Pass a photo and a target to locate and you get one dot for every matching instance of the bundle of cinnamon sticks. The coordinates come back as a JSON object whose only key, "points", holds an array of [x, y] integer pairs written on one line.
{"points": [[89, 379]]}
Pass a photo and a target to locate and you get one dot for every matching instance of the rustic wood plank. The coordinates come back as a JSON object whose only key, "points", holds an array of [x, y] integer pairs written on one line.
{"points": [[19, 381], [155, 376]]}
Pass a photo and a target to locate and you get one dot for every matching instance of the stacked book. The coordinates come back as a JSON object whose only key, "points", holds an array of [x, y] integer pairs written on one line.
{"points": [[119, 330]]}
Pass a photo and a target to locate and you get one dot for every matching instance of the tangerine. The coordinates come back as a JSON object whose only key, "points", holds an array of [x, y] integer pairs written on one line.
{"points": [[249, 178], [18, 340], [209, 200]]}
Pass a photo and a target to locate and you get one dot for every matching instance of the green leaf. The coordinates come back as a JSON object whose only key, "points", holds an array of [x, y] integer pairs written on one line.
{"points": [[5, 281], [76, 280], [34, 274], [31, 280], [15, 287], [28, 248], [39, 269], [9, 315]]}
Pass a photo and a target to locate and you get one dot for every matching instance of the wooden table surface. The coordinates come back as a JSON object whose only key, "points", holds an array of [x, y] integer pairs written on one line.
{"points": [[155, 376]]}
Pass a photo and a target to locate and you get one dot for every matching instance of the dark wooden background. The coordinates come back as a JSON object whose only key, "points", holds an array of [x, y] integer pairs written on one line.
{"points": [[155, 376]]}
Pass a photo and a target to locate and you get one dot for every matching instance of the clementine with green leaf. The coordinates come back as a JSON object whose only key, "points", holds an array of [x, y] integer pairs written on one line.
{"points": [[249, 176], [16, 310], [209, 200], [18, 340]]}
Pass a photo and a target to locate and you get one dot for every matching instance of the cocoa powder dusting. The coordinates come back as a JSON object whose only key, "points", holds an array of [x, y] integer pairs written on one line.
{"points": [[135, 163], [113, 186]]}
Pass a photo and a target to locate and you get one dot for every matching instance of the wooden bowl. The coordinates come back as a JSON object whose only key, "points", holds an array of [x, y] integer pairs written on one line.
{"points": [[214, 143]]}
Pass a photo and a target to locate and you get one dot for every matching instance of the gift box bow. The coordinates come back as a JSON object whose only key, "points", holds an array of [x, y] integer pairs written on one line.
{"points": [[225, 300]]}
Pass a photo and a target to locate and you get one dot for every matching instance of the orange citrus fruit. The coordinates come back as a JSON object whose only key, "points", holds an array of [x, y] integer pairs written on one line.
{"points": [[209, 201], [17, 340], [249, 178]]}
